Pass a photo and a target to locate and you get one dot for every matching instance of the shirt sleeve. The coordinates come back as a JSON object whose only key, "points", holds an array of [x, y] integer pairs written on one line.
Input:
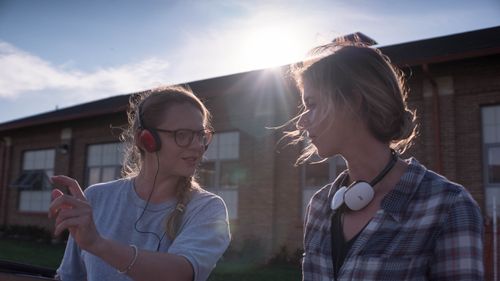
{"points": [[72, 267], [458, 254], [204, 238]]}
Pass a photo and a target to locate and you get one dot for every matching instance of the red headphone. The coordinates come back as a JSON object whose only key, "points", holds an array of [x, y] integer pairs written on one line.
{"points": [[148, 137]]}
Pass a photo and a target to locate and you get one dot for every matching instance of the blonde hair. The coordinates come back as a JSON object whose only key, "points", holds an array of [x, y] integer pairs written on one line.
{"points": [[348, 72], [152, 105]]}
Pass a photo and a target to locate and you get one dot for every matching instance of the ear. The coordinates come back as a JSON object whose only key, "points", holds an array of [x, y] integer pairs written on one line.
{"points": [[137, 140]]}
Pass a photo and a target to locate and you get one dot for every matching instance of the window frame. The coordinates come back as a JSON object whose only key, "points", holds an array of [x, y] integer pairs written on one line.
{"points": [[224, 192], [117, 166], [486, 174], [490, 189], [45, 191]]}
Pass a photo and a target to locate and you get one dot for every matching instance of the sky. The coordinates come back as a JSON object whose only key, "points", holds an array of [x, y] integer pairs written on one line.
{"points": [[60, 53]]}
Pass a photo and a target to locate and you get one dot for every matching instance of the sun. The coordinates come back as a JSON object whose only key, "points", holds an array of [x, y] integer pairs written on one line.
{"points": [[265, 47]]}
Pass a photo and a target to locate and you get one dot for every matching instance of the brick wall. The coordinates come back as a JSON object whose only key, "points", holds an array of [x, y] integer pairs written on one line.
{"points": [[72, 163]]}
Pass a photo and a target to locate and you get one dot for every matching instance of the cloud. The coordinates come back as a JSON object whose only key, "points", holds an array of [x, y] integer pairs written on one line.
{"points": [[22, 73], [268, 34]]}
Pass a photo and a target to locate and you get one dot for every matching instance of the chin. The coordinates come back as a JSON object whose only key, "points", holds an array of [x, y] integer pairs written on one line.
{"points": [[184, 173], [189, 173]]}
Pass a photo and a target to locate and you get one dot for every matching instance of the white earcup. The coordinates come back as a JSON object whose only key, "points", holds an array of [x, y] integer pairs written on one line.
{"points": [[338, 198], [358, 196]]}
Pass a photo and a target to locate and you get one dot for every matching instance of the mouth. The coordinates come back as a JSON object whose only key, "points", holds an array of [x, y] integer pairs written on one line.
{"points": [[191, 159]]}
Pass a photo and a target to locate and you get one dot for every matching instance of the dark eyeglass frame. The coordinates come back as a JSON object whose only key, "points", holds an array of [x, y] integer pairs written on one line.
{"points": [[205, 135]]}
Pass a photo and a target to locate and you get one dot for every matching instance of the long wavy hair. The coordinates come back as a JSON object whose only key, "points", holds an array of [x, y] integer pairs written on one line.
{"points": [[153, 104]]}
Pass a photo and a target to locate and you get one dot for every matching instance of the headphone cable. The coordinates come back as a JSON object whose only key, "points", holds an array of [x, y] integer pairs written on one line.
{"points": [[146, 206]]}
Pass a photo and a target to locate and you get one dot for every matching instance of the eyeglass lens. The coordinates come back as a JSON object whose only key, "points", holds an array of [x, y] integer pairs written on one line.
{"points": [[185, 137]]}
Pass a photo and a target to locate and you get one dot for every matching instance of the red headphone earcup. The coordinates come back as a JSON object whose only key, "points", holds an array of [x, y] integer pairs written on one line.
{"points": [[148, 141]]}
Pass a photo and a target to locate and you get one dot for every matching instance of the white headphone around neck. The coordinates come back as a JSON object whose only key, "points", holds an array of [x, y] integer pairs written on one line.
{"points": [[360, 193]]}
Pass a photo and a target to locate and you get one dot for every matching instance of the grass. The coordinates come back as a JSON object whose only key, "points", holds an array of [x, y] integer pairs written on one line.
{"points": [[31, 252], [226, 270], [46, 255]]}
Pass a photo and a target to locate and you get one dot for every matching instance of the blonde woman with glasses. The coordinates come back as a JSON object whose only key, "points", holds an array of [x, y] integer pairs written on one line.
{"points": [[155, 223]]}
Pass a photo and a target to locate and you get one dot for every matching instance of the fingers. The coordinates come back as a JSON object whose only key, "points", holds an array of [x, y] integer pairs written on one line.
{"points": [[72, 218], [65, 202], [73, 212], [65, 214], [71, 184], [59, 200], [56, 193], [69, 224]]}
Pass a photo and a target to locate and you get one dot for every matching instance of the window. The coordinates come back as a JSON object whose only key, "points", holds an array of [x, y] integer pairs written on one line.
{"points": [[493, 166], [221, 171], [33, 183], [315, 176], [104, 162], [32, 180], [491, 153]]}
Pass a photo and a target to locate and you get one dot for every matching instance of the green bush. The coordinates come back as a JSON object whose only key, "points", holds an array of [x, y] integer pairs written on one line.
{"points": [[285, 259], [251, 252], [26, 232]]}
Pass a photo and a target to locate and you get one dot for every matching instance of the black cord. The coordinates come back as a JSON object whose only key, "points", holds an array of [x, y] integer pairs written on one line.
{"points": [[387, 168], [147, 203]]}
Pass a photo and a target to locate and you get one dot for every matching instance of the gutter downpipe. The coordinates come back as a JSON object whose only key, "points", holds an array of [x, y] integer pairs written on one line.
{"points": [[6, 143], [436, 117]]}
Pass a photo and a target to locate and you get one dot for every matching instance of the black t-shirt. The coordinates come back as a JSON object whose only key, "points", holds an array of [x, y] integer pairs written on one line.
{"points": [[340, 247]]}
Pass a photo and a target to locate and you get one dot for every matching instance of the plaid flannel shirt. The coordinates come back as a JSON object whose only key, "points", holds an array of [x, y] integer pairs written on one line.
{"points": [[428, 228]]}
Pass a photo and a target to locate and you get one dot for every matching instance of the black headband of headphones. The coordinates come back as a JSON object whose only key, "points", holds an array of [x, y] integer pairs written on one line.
{"points": [[140, 117], [388, 167]]}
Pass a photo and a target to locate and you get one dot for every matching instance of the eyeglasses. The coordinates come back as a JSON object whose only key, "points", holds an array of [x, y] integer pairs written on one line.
{"points": [[185, 137]]}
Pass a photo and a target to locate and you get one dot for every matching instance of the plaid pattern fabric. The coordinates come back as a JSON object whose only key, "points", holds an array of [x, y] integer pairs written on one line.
{"points": [[428, 228]]}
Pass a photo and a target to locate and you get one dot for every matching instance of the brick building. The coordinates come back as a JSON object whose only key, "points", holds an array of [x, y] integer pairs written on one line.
{"points": [[454, 84]]}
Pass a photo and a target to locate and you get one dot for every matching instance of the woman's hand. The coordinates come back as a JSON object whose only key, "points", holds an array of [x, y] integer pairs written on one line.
{"points": [[73, 212]]}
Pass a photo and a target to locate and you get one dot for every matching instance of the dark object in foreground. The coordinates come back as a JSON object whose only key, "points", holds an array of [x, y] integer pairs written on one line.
{"points": [[14, 271]]}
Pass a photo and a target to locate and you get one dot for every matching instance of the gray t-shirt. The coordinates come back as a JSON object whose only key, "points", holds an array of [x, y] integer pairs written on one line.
{"points": [[202, 239]]}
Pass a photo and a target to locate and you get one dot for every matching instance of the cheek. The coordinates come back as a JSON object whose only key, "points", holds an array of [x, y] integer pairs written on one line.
{"points": [[313, 116], [169, 155], [324, 123]]}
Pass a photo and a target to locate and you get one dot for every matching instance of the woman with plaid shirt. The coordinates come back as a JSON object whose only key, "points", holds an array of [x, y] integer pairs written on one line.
{"points": [[384, 218]]}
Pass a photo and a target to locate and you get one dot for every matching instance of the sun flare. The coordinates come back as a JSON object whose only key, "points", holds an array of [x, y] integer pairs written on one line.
{"points": [[265, 47]]}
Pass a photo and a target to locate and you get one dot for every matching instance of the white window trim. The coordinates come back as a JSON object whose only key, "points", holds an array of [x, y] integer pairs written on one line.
{"points": [[217, 189], [44, 194], [491, 190], [117, 165]]}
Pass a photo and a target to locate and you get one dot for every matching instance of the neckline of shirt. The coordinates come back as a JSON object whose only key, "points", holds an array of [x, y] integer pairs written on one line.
{"points": [[141, 203]]}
